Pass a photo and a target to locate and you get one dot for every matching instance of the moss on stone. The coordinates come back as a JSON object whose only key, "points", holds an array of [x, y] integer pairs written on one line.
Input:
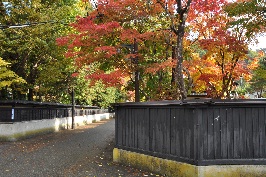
{"points": [[154, 164], [178, 169]]}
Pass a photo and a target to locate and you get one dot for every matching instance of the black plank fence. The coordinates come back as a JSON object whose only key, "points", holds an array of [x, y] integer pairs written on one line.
{"points": [[17, 111], [198, 132]]}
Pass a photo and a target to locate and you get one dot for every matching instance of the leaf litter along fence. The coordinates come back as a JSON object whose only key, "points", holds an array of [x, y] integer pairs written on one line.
{"points": [[198, 132], [17, 111]]}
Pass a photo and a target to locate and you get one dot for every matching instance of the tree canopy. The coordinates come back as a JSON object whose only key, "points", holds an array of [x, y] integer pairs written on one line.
{"points": [[169, 35], [29, 30], [250, 14], [113, 50]]}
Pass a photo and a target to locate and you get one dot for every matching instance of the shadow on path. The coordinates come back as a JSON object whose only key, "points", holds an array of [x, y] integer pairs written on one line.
{"points": [[85, 151]]}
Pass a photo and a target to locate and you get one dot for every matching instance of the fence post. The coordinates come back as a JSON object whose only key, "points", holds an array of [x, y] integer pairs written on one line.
{"points": [[73, 108]]}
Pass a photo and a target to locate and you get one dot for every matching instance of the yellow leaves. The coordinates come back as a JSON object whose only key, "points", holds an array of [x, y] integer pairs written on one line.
{"points": [[200, 87], [5, 83], [254, 64], [8, 77], [211, 71], [3, 63], [261, 53]]}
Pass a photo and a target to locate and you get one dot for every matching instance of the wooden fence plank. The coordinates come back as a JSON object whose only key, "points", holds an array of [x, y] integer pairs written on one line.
{"points": [[217, 133], [199, 133]]}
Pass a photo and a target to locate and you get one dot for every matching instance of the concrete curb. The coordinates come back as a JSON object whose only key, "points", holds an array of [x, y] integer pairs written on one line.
{"points": [[25, 129]]}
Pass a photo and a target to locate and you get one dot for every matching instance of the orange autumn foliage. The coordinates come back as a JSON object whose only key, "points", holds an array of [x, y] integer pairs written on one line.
{"points": [[99, 40]]}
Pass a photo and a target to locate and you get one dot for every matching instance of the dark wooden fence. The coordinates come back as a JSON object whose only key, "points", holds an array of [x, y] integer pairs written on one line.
{"points": [[198, 132], [17, 111]]}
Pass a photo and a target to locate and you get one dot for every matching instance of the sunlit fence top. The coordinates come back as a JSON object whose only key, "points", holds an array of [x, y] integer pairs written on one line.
{"points": [[198, 102]]}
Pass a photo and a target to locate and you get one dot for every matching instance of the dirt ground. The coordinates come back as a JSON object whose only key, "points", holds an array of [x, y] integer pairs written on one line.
{"points": [[85, 151]]}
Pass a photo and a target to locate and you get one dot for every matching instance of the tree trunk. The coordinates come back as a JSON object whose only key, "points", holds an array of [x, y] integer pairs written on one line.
{"points": [[30, 94], [179, 68], [177, 26], [179, 52], [3, 94], [136, 62], [173, 69]]}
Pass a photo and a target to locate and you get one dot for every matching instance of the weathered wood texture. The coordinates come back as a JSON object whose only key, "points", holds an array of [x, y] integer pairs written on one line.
{"points": [[197, 132], [17, 111]]}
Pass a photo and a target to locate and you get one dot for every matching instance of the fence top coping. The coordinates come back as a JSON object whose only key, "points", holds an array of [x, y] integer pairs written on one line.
{"points": [[198, 102], [40, 104]]}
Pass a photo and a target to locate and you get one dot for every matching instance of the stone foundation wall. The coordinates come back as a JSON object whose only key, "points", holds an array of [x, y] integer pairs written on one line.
{"points": [[19, 130], [178, 169]]}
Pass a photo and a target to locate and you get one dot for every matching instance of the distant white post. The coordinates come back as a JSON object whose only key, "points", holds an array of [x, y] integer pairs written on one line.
{"points": [[12, 114]]}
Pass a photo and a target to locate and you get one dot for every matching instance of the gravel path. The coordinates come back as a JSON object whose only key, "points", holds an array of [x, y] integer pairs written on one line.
{"points": [[85, 151]]}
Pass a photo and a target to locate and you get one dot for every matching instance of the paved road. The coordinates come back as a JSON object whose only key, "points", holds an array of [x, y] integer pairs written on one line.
{"points": [[85, 151]]}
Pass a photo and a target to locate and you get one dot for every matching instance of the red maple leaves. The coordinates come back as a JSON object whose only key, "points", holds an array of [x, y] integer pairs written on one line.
{"points": [[98, 37]]}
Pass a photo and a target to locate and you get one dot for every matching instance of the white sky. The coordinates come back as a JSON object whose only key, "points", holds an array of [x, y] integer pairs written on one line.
{"points": [[261, 43]]}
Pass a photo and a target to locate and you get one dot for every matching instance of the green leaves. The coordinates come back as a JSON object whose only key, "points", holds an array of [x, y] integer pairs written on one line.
{"points": [[249, 14], [258, 81], [30, 50]]}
